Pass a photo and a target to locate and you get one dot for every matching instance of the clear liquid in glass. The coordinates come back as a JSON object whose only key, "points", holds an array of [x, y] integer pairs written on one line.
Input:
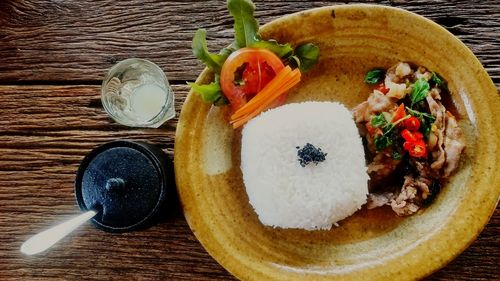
{"points": [[136, 93]]}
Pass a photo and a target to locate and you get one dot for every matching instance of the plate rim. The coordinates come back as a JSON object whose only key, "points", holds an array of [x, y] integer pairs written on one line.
{"points": [[473, 230]]}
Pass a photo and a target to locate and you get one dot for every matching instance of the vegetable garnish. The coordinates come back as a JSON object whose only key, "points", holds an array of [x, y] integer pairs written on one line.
{"points": [[306, 55], [419, 91], [381, 88], [412, 123], [416, 149], [261, 66], [374, 76], [386, 139], [426, 120], [284, 80], [411, 136], [244, 68], [438, 81], [399, 113], [378, 121]]}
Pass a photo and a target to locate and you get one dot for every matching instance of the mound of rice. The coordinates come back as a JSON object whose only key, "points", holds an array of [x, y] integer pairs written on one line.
{"points": [[285, 194]]}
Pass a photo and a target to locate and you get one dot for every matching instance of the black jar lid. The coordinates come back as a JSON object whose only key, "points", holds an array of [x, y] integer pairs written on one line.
{"points": [[125, 182]]}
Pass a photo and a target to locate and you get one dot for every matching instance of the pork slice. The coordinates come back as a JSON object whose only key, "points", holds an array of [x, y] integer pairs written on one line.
{"points": [[403, 204], [454, 144], [382, 166], [410, 198], [376, 200], [435, 93], [403, 69], [422, 167], [438, 111], [376, 103], [379, 102], [361, 112]]}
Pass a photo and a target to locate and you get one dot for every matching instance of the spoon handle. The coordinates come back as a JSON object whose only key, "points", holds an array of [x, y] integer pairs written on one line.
{"points": [[45, 239]]}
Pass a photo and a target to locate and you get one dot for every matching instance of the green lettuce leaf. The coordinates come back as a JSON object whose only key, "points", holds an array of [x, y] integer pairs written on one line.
{"points": [[308, 55], [280, 50], [200, 51], [246, 27], [208, 92]]}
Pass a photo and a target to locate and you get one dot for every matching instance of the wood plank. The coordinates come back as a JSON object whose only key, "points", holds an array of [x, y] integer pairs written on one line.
{"points": [[41, 144], [78, 40], [46, 131]]}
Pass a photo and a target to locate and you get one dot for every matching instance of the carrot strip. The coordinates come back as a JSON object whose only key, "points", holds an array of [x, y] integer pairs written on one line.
{"points": [[269, 95], [264, 105], [274, 86], [285, 86], [284, 81]]}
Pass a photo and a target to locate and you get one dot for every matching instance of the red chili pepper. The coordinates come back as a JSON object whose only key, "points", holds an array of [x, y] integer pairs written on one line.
{"points": [[411, 136], [416, 149], [418, 135], [412, 123], [383, 89], [408, 145]]}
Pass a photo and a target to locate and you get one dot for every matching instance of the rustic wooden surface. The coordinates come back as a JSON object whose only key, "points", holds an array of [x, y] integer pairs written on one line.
{"points": [[52, 57]]}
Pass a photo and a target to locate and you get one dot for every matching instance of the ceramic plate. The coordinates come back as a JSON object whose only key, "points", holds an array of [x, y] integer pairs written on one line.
{"points": [[375, 244]]}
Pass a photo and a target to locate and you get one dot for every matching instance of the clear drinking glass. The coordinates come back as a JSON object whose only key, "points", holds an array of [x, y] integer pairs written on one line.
{"points": [[136, 93]]}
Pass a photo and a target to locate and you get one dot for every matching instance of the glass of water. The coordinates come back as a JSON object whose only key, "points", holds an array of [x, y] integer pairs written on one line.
{"points": [[136, 93]]}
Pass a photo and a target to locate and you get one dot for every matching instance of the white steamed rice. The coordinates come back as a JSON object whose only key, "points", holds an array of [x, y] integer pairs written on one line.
{"points": [[285, 194]]}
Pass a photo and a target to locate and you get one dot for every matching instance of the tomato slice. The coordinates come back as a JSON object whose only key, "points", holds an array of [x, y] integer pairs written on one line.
{"points": [[399, 113], [261, 66]]}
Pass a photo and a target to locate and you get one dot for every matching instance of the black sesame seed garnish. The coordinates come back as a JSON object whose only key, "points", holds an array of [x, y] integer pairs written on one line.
{"points": [[309, 153]]}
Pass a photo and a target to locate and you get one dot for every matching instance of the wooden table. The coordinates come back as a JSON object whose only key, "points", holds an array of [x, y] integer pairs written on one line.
{"points": [[53, 55]]}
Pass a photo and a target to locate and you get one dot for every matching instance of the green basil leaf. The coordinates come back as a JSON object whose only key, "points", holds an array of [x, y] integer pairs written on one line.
{"points": [[374, 76], [382, 142], [208, 92], [280, 50], [378, 121], [425, 117], [396, 155], [388, 128], [246, 28], [308, 56], [437, 79], [200, 51], [419, 91]]}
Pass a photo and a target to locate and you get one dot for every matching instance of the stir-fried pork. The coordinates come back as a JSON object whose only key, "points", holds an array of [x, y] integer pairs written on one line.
{"points": [[405, 140]]}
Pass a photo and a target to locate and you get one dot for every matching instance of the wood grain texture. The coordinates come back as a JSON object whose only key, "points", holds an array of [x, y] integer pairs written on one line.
{"points": [[51, 130], [45, 130], [79, 40]]}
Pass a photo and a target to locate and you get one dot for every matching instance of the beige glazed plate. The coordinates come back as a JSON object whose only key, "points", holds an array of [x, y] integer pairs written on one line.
{"points": [[375, 244]]}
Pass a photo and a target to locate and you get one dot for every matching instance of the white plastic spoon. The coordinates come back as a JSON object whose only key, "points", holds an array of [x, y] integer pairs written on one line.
{"points": [[45, 239]]}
